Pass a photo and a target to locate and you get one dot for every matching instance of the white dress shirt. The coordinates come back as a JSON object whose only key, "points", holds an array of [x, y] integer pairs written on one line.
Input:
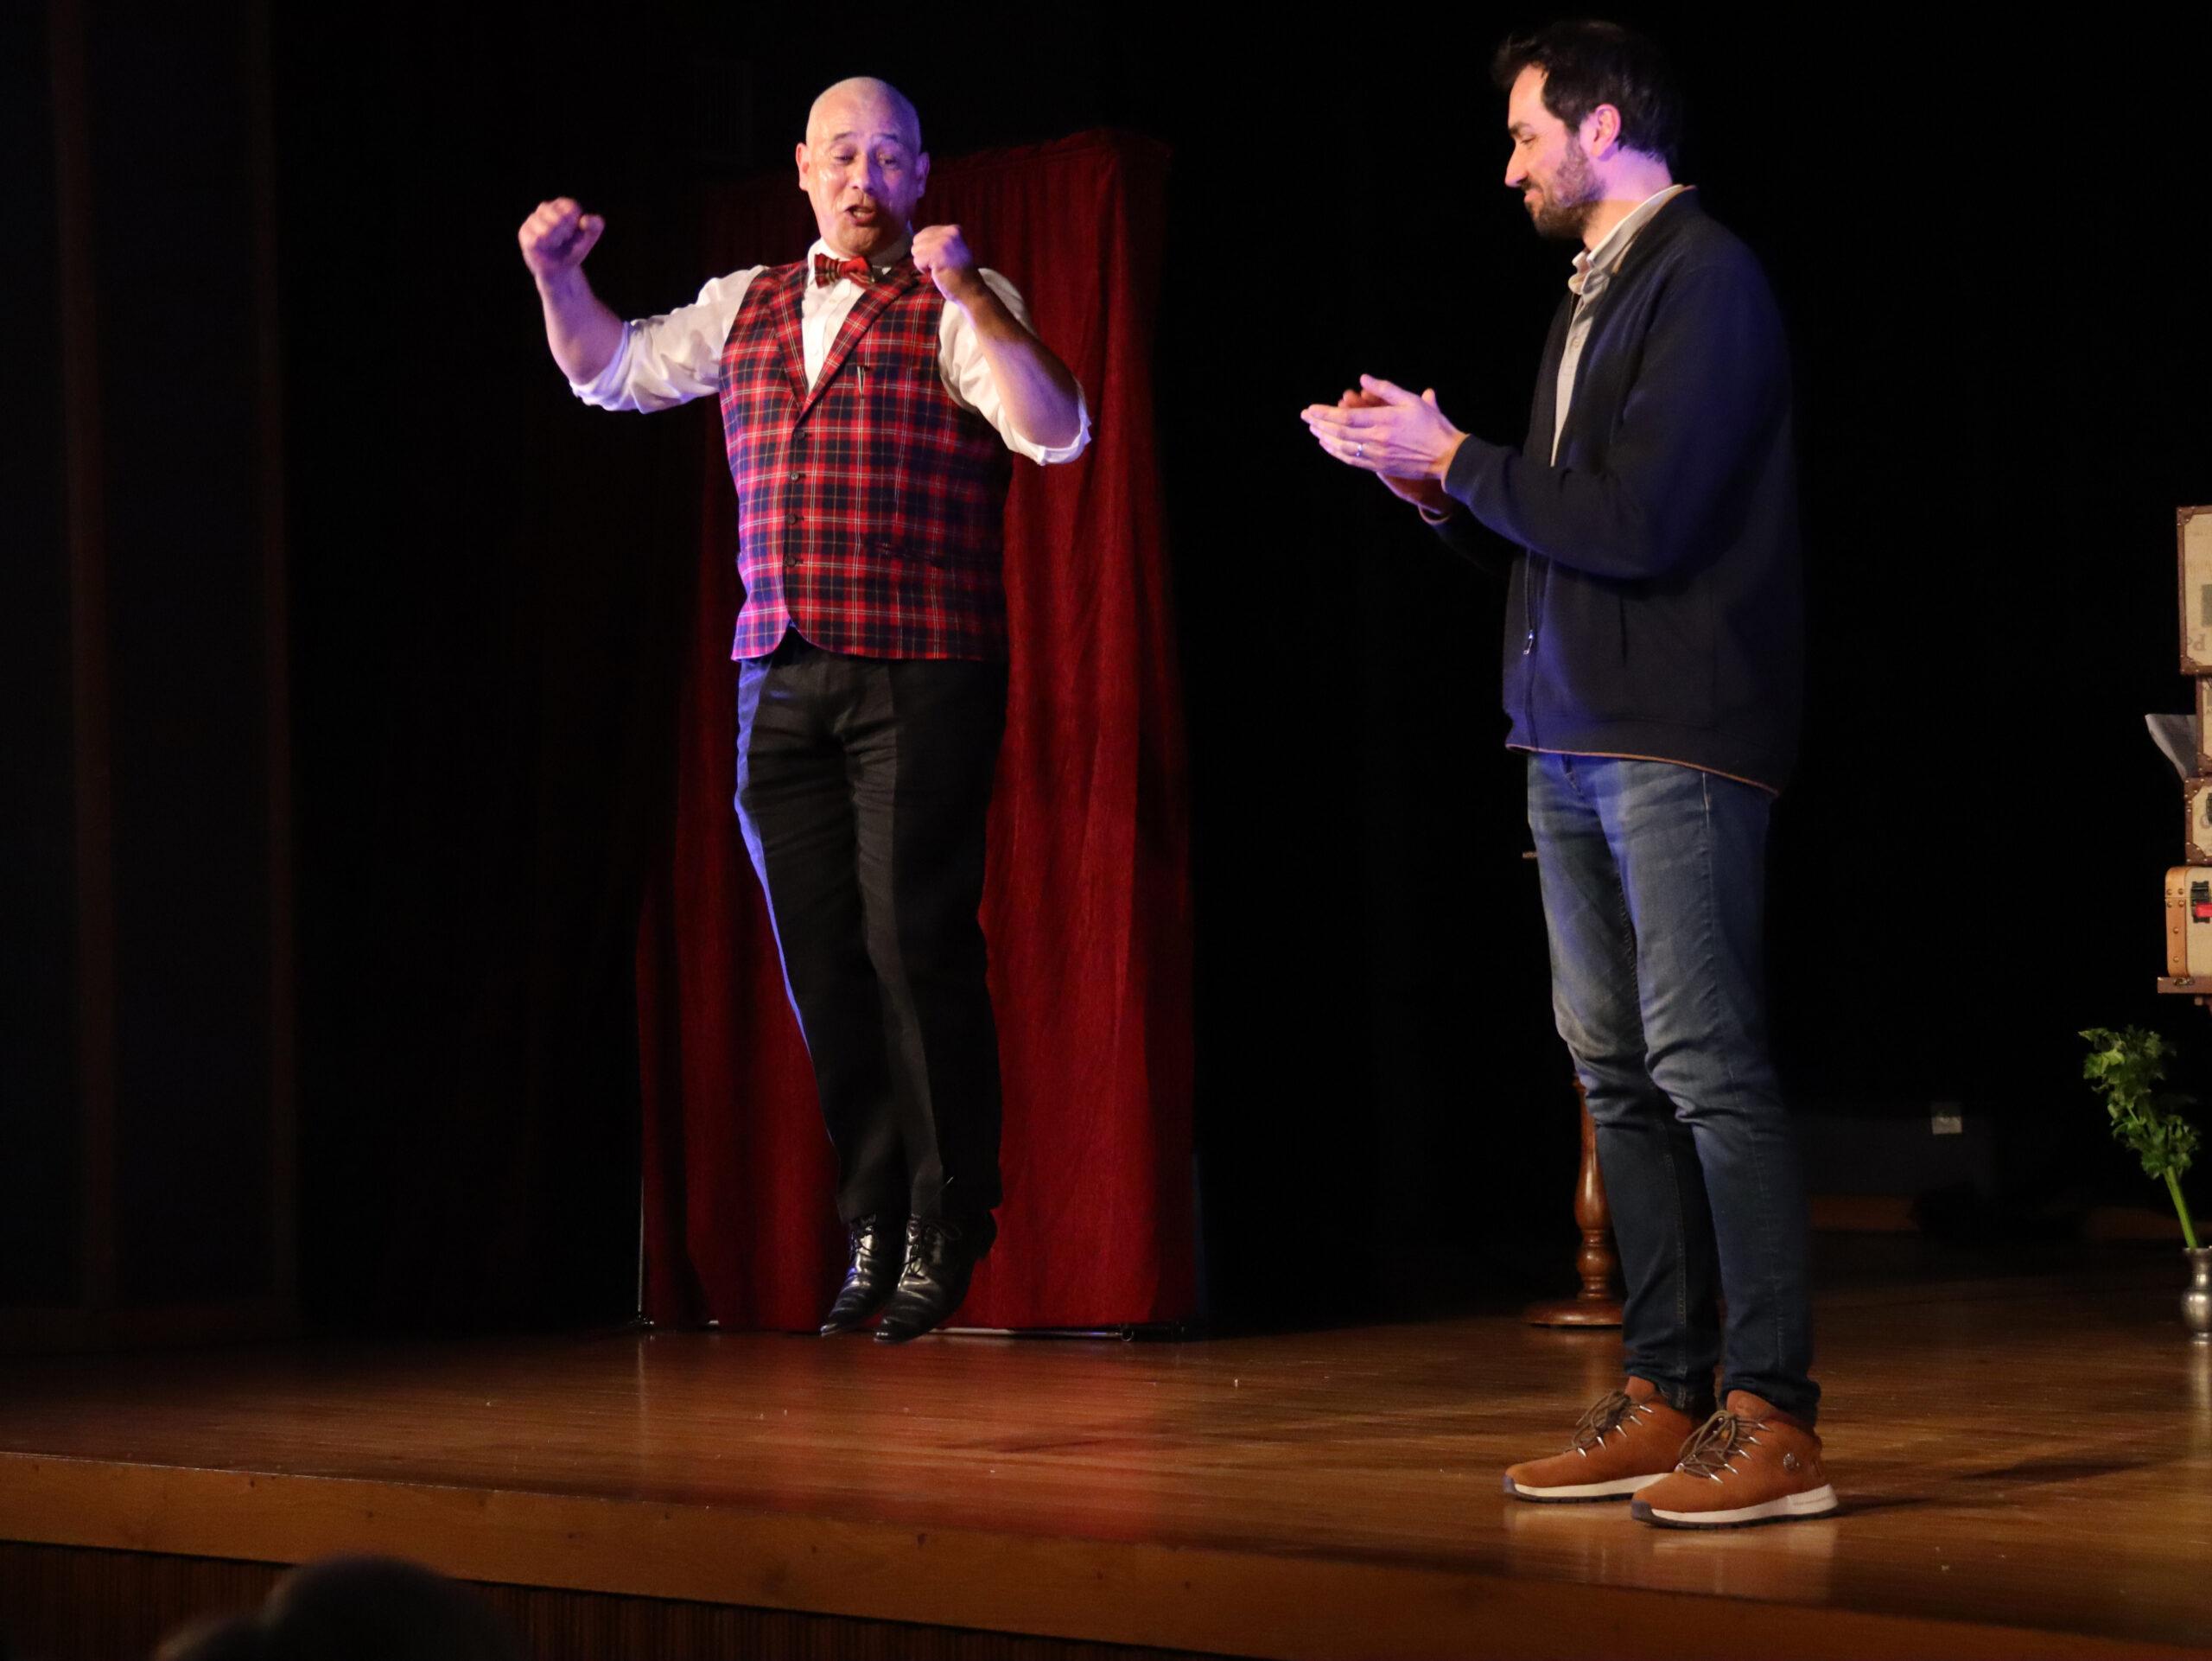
{"points": [[1593, 269], [676, 356]]}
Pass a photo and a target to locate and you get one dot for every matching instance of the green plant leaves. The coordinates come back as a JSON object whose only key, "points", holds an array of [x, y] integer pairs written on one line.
{"points": [[2127, 1069]]}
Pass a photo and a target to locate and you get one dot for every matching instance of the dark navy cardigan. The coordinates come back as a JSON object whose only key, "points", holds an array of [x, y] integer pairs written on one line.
{"points": [[1654, 605]]}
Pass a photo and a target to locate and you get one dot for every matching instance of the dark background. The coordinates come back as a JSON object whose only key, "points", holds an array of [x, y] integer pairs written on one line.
{"points": [[1991, 250]]}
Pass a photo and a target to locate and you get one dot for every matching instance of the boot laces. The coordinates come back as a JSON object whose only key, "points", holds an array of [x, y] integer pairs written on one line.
{"points": [[923, 1250], [1604, 1418], [1713, 1447]]}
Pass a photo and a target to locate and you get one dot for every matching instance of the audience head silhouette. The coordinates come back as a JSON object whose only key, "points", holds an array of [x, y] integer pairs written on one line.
{"points": [[355, 1609]]}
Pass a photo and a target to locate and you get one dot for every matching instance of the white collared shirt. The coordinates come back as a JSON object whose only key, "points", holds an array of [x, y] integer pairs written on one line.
{"points": [[676, 356], [1594, 271]]}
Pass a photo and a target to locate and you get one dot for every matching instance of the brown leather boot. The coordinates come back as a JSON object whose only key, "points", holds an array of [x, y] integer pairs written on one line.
{"points": [[1627, 1440], [1748, 1463]]}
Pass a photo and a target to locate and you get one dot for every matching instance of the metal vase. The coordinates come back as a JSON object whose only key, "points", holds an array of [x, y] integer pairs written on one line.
{"points": [[2197, 1302]]}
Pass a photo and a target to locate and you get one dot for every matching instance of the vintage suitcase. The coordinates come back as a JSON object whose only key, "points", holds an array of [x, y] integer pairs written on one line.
{"points": [[2196, 797], [2189, 923], [2193, 535]]}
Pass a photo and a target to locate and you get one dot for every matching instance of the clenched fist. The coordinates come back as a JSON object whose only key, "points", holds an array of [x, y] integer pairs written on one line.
{"points": [[941, 255], [556, 239]]}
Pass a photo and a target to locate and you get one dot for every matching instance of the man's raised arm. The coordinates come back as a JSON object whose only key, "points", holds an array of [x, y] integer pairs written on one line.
{"points": [[583, 334], [1037, 393]]}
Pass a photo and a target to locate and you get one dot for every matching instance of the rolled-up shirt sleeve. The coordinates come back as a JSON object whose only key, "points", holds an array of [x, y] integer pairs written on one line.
{"points": [[967, 378], [672, 358]]}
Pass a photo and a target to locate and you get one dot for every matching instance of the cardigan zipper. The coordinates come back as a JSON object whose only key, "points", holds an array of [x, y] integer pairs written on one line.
{"points": [[1529, 617]]}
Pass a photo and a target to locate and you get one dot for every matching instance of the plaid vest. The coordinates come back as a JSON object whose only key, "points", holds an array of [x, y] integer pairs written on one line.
{"points": [[870, 509]]}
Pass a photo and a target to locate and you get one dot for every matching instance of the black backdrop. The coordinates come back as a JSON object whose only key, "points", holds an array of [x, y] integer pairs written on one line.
{"points": [[1991, 257]]}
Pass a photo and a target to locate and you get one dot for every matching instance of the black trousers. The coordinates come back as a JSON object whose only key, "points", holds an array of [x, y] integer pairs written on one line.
{"points": [[862, 788]]}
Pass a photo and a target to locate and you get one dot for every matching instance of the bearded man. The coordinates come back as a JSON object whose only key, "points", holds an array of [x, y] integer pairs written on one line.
{"points": [[1652, 673], [870, 394]]}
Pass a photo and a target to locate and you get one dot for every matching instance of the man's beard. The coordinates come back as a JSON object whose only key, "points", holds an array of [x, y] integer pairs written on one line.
{"points": [[1572, 200]]}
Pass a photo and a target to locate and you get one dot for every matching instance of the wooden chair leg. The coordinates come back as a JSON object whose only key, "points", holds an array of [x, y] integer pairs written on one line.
{"points": [[1596, 1304]]}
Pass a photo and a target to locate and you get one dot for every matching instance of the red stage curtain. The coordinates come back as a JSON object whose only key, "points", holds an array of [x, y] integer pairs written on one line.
{"points": [[1087, 907]]}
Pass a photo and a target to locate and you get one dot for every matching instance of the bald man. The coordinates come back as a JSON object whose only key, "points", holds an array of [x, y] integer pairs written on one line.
{"points": [[871, 394]]}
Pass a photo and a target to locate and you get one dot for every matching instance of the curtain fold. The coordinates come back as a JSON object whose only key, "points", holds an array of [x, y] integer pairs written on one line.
{"points": [[1087, 901]]}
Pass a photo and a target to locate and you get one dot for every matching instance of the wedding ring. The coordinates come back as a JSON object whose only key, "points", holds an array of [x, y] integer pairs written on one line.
{"points": [[1359, 449]]}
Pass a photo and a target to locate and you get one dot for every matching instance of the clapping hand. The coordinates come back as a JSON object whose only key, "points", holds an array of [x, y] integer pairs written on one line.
{"points": [[1403, 439]]}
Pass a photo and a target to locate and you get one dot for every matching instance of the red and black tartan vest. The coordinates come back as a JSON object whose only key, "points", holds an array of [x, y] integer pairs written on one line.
{"points": [[870, 510]]}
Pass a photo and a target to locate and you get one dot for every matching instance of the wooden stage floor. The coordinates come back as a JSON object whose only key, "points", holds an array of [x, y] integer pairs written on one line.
{"points": [[2026, 1462]]}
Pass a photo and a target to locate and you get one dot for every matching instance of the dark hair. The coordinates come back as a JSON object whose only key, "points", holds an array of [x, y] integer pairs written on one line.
{"points": [[237, 1639], [1586, 63], [380, 1609], [355, 1609]]}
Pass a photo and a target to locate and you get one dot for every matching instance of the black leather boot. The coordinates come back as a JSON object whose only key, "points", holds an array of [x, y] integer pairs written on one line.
{"points": [[878, 1254], [941, 1256]]}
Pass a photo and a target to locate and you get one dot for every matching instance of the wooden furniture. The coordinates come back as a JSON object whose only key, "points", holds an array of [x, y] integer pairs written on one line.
{"points": [[1596, 1304], [2188, 887]]}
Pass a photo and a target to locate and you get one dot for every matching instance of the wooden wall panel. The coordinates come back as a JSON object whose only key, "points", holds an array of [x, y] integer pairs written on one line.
{"points": [[60, 1603]]}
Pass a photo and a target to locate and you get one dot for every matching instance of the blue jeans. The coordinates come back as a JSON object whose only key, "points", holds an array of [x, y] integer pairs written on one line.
{"points": [[1654, 881]]}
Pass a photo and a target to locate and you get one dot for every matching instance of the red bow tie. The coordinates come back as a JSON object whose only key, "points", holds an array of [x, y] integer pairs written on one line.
{"points": [[828, 271]]}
